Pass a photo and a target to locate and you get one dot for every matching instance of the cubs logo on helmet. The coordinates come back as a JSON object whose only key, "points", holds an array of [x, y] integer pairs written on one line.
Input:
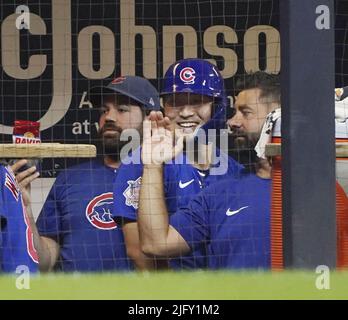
{"points": [[98, 212], [198, 76], [187, 75]]}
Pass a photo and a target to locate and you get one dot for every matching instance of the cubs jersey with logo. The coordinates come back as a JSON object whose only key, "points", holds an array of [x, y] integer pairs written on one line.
{"points": [[233, 220], [78, 215], [16, 238], [181, 182]]}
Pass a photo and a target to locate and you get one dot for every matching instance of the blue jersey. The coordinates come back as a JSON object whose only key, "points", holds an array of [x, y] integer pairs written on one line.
{"points": [[181, 183], [78, 215], [233, 220], [16, 238]]}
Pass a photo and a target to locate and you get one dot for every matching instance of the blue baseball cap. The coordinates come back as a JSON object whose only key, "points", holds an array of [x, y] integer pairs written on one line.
{"points": [[136, 88]]}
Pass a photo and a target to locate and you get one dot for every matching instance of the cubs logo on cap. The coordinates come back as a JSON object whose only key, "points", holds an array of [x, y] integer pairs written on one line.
{"points": [[98, 212], [187, 75], [118, 80]]}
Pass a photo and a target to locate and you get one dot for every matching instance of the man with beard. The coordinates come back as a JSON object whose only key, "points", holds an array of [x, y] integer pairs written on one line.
{"points": [[259, 94], [77, 232]]}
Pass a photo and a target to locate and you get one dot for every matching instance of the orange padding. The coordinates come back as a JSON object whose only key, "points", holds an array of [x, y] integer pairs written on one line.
{"points": [[342, 227], [276, 216], [277, 224], [276, 140]]}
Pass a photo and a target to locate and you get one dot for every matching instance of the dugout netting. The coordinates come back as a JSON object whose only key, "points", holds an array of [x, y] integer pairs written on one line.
{"points": [[72, 46]]}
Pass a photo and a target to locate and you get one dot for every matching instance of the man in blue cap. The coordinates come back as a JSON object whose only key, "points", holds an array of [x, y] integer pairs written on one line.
{"points": [[195, 101], [77, 232]]}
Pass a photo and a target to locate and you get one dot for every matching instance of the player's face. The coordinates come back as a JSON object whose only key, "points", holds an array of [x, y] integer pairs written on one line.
{"points": [[251, 111], [117, 114], [187, 111]]}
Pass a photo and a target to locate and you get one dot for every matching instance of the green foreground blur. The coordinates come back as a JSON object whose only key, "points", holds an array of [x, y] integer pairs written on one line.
{"points": [[183, 285]]}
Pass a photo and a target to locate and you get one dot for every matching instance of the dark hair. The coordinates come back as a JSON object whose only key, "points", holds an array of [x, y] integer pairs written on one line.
{"points": [[268, 83]]}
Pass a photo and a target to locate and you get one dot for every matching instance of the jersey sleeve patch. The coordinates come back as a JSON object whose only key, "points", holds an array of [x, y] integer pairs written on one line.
{"points": [[131, 193]]}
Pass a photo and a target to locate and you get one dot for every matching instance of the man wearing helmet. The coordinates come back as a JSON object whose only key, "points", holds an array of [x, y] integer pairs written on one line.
{"points": [[194, 99], [77, 232], [232, 217], [199, 84]]}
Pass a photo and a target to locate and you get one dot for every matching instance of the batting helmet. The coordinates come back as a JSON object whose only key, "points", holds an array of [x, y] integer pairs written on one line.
{"points": [[198, 76]]}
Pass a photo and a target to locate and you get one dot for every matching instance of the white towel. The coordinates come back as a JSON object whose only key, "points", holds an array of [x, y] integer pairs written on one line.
{"points": [[341, 110], [341, 115], [341, 104], [266, 132]]}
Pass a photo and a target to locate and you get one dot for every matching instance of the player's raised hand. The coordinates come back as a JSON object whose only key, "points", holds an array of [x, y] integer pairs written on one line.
{"points": [[24, 179], [158, 139]]}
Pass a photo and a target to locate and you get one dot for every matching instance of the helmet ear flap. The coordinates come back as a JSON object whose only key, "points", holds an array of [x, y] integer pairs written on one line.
{"points": [[218, 107], [230, 109], [218, 116], [230, 112]]}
